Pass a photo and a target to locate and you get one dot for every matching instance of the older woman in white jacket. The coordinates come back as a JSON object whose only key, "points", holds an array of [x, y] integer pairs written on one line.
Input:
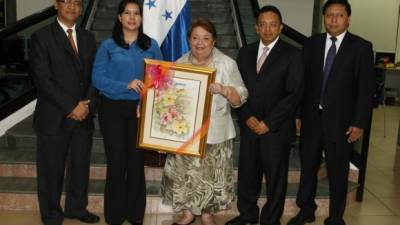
{"points": [[196, 186]]}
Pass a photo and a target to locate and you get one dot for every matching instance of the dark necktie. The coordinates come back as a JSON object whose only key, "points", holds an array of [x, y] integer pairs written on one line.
{"points": [[330, 57], [71, 41]]}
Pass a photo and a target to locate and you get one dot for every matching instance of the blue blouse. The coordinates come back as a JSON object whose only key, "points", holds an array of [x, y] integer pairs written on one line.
{"points": [[114, 67]]}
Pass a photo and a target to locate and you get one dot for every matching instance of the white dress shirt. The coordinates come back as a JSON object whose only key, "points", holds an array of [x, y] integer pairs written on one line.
{"points": [[328, 43], [65, 28], [262, 45]]}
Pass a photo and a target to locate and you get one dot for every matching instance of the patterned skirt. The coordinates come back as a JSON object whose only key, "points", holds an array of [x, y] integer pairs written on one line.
{"points": [[200, 185]]}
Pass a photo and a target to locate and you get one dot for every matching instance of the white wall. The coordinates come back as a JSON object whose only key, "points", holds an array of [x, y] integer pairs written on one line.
{"points": [[398, 43], [296, 13], [377, 22], [27, 7]]}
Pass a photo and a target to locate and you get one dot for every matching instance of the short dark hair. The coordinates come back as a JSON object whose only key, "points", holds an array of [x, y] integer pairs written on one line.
{"points": [[143, 41], [206, 25], [270, 8], [344, 3]]}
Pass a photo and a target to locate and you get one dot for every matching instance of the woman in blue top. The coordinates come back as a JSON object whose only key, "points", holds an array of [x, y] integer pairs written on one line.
{"points": [[117, 74]]}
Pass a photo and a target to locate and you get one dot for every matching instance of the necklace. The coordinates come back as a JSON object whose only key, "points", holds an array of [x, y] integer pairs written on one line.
{"points": [[206, 62]]}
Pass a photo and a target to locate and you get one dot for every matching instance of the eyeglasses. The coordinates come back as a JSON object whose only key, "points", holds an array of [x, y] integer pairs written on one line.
{"points": [[71, 2]]}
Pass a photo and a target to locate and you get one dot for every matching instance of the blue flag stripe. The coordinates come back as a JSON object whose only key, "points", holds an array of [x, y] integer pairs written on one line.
{"points": [[175, 43]]}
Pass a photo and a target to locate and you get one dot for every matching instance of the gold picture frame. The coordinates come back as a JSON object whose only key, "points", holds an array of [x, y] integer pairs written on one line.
{"points": [[175, 108]]}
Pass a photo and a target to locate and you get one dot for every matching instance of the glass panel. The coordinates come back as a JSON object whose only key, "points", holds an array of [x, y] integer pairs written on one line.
{"points": [[2, 14], [14, 58]]}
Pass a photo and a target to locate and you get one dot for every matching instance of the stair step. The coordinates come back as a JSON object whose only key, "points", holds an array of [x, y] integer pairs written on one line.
{"points": [[226, 41], [20, 194], [110, 11], [222, 30], [210, 5], [24, 155], [27, 185], [214, 18], [28, 202], [104, 20], [230, 52], [21, 163]]}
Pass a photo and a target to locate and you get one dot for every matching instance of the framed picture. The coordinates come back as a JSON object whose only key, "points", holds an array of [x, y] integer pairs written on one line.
{"points": [[175, 108]]}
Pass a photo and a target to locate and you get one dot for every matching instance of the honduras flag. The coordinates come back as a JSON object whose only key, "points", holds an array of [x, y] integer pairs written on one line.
{"points": [[168, 21]]}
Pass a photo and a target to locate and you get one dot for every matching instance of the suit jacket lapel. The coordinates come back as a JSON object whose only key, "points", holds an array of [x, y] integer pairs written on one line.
{"points": [[320, 56], [81, 45], [341, 54], [273, 54], [62, 39], [253, 56]]}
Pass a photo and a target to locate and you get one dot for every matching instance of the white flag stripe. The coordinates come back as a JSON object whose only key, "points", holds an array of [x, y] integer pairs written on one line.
{"points": [[158, 19]]}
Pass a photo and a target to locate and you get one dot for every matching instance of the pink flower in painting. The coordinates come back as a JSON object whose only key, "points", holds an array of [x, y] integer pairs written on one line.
{"points": [[174, 113], [166, 118]]}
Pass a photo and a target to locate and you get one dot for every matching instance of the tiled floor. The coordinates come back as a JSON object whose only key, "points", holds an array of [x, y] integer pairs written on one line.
{"points": [[381, 205]]}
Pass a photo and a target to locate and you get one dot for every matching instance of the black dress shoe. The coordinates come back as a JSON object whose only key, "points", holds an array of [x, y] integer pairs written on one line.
{"points": [[330, 221], [137, 223], [301, 219], [87, 218], [194, 219], [239, 221]]}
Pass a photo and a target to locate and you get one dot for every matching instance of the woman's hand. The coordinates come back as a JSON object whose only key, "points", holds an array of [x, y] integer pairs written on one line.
{"points": [[138, 111], [136, 85], [217, 88]]}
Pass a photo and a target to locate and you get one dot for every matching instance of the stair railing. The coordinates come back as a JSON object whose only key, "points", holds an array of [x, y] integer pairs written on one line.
{"points": [[88, 18], [237, 20]]}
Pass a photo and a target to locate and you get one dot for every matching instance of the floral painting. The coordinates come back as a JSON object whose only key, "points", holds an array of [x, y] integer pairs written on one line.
{"points": [[175, 108], [172, 118]]}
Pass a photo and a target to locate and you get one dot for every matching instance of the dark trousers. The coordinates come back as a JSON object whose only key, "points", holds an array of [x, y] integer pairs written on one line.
{"points": [[259, 155], [337, 158], [52, 153], [125, 191]]}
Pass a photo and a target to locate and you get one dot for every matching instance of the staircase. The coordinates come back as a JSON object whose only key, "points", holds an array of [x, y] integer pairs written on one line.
{"points": [[18, 151], [217, 11]]}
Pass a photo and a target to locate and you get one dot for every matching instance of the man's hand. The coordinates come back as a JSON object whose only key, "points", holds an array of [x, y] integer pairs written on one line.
{"points": [[261, 128], [252, 123], [354, 134], [80, 111]]}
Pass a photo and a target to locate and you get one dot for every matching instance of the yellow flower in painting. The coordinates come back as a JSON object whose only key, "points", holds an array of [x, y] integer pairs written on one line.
{"points": [[169, 98], [180, 127]]}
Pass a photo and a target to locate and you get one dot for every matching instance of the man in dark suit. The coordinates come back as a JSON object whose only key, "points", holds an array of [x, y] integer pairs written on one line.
{"points": [[61, 64], [336, 108], [273, 73]]}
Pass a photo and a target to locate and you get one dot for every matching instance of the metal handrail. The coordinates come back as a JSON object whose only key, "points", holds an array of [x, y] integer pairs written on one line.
{"points": [[89, 17], [238, 23], [27, 22]]}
